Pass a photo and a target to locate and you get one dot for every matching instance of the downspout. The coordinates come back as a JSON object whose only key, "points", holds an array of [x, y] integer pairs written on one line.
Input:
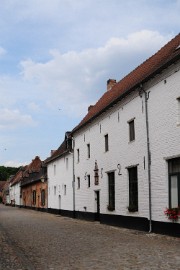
{"points": [[148, 156]]}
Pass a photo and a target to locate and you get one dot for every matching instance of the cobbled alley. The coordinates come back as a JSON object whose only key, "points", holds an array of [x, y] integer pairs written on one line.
{"points": [[35, 240]]}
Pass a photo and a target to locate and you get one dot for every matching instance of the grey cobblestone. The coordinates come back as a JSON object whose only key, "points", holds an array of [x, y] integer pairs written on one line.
{"points": [[34, 240]]}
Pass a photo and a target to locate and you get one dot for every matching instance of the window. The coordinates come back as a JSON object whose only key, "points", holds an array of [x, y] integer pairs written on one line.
{"points": [[133, 189], [42, 197], [78, 156], [131, 131], [106, 143], [178, 116], [64, 189], [111, 189], [54, 169], [89, 180], [66, 163], [54, 190], [34, 197], [78, 183], [88, 150], [174, 182]]}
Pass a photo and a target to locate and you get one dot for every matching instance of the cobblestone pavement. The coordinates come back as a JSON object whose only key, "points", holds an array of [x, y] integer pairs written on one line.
{"points": [[35, 240]]}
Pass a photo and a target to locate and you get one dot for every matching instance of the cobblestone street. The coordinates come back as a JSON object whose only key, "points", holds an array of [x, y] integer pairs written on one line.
{"points": [[34, 240]]}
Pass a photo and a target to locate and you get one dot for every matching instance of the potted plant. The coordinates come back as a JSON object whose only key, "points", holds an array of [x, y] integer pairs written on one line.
{"points": [[172, 213]]}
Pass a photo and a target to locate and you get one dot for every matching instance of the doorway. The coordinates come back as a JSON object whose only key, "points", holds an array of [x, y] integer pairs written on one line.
{"points": [[59, 204], [97, 199]]}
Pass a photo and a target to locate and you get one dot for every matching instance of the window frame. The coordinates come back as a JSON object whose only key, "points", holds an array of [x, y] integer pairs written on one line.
{"points": [[106, 142], [43, 198], [178, 111], [89, 180], [88, 151], [133, 189], [34, 197], [55, 190], [131, 130], [54, 167], [111, 191], [65, 190], [171, 173], [78, 183], [78, 155]]}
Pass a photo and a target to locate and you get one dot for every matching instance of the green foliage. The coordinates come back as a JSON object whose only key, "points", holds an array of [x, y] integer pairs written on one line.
{"points": [[6, 172]]}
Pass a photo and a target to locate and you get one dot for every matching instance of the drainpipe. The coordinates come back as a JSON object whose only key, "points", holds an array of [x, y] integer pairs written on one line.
{"points": [[148, 156]]}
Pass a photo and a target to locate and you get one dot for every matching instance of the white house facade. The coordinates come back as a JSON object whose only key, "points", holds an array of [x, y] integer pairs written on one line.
{"points": [[127, 148], [60, 179], [15, 188], [15, 194]]}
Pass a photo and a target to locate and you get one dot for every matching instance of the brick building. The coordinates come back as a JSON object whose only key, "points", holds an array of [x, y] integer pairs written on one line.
{"points": [[34, 185]]}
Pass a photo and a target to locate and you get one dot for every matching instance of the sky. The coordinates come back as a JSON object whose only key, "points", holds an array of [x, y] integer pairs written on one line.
{"points": [[56, 57]]}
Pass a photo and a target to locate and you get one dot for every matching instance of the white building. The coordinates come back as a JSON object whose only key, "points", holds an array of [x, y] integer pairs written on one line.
{"points": [[15, 189], [60, 179], [127, 148]]}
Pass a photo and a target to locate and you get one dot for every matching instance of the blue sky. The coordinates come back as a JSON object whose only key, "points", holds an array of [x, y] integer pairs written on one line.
{"points": [[56, 57]]}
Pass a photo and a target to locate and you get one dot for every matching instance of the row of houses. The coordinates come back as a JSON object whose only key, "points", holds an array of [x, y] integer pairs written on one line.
{"points": [[121, 164]]}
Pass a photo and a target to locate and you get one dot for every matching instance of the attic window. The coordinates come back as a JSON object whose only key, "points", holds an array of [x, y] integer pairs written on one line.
{"points": [[177, 48]]}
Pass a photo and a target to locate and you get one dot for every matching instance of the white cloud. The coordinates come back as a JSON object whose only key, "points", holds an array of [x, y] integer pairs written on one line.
{"points": [[2, 51], [34, 107], [71, 80], [14, 163], [10, 119]]}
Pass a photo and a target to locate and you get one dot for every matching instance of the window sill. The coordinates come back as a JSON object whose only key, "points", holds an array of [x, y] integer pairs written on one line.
{"points": [[110, 208], [132, 209], [131, 141]]}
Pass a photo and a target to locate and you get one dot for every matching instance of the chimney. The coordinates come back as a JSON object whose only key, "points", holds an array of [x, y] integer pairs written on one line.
{"points": [[90, 107], [110, 84], [52, 152]]}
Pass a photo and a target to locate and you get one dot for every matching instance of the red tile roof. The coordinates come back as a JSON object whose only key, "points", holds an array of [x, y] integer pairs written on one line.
{"points": [[163, 58], [17, 177], [34, 166], [63, 149], [57, 153]]}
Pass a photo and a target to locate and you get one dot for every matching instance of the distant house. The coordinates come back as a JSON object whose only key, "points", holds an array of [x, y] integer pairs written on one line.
{"points": [[34, 185], [60, 179], [127, 148], [15, 188], [6, 193]]}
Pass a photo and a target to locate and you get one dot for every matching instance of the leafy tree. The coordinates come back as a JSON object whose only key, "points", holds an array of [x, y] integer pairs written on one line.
{"points": [[6, 172]]}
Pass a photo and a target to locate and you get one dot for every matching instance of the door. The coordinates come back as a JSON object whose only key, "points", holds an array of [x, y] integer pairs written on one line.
{"points": [[59, 204], [97, 199]]}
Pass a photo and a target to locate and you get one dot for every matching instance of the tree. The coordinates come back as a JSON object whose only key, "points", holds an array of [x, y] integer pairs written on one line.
{"points": [[6, 172]]}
